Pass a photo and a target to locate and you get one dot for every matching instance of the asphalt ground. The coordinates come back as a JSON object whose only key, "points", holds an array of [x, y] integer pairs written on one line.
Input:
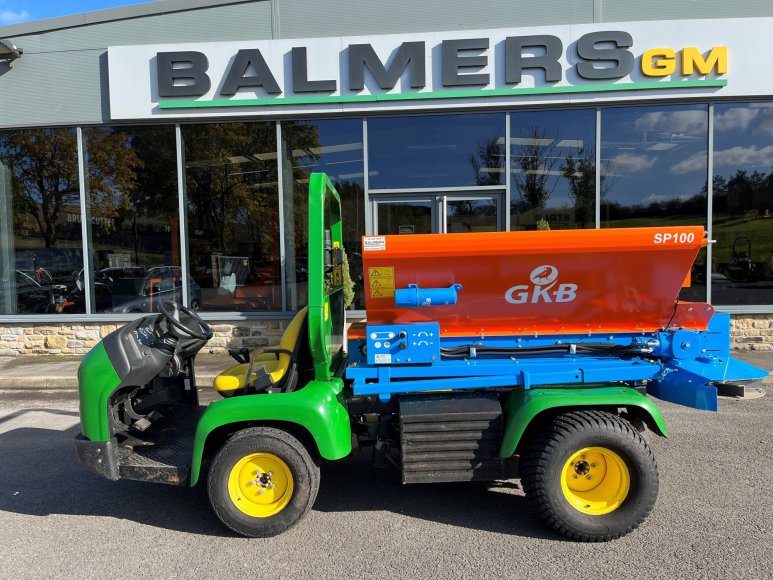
{"points": [[713, 518]]}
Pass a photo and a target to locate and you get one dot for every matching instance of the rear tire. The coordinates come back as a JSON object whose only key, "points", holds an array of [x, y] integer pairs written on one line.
{"points": [[590, 475], [262, 482]]}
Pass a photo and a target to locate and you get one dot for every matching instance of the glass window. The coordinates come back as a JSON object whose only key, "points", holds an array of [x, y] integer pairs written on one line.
{"points": [[654, 164], [553, 169], [131, 184], [233, 215], [742, 258], [436, 151], [41, 251], [333, 147]]}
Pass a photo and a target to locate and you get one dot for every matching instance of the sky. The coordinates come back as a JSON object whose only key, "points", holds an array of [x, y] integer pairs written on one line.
{"points": [[15, 11]]}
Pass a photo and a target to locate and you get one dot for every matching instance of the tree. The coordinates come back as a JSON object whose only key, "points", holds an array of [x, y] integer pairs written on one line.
{"points": [[44, 168], [534, 158], [487, 164]]}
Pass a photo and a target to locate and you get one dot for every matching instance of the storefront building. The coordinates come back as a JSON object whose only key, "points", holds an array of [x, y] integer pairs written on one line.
{"points": [[162, 151]]}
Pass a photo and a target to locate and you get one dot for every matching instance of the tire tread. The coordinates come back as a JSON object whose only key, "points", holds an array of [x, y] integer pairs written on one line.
{"points": [[534, 466]]}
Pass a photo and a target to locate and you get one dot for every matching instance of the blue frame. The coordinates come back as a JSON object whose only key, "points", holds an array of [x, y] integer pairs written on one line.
{"points": [[678, 365]]}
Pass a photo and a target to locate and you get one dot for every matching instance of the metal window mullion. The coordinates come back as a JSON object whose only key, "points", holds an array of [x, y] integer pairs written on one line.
{"points": [[598, 168], [507, 173], [441, 190], [281, 201], [182, 214], [710, 200], [88, 276], [370, 206]]}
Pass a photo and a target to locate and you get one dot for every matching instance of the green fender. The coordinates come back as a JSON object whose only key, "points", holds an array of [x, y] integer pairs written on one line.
{"points": [[524, 405], [317, 407], [97, 380]]}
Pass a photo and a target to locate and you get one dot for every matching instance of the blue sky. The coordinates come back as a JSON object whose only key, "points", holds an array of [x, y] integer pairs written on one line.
{"points": [[15, 11]]}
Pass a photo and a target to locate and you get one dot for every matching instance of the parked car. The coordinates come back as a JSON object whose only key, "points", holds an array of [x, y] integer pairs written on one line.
{"points": [[158, 283], [33, 297]]}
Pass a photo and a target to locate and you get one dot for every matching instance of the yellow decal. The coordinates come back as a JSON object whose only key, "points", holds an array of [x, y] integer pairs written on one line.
{"points": [[658, 62], [337, 276], [716, 60], [382, 282]]}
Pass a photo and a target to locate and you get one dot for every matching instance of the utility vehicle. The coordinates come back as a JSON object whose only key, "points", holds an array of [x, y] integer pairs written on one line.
{"points": [[482, 353]]}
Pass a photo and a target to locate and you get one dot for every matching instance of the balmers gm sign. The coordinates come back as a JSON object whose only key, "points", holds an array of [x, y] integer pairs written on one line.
{"points": [[488, 67]]}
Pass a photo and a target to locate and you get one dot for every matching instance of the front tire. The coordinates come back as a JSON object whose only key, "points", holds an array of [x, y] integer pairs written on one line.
{"points": [[590, 475], [262, 482]]}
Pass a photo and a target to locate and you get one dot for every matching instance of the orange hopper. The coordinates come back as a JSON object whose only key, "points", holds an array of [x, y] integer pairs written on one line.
{"points": [[543, 282]]}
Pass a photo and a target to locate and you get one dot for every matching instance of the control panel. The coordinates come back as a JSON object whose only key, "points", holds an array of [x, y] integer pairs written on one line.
{"points": [[411, 343]]}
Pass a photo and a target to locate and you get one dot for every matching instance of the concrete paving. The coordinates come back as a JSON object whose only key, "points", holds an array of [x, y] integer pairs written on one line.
{"points": [[61, 372], [713, 517]]}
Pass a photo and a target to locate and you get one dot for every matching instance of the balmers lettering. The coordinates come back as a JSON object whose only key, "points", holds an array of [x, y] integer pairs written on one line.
{"points": [[464, 62]]}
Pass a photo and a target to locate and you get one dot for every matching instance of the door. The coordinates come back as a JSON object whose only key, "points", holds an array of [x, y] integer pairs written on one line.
{"points": [[438, 214]]}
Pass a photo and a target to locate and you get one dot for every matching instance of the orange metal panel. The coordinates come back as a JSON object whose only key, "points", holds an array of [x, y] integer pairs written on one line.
{"points": [[542, 282]]}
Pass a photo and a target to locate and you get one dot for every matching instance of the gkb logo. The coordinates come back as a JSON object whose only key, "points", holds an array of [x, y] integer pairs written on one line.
{"points": [[543, 279]]}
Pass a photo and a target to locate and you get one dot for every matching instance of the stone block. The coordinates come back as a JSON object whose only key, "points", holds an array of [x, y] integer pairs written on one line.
{"points": [[8, 352], [74, 343], [107, 329], [56, 341], [241, 331], [222, 328], [87, 335], [254, 342]]}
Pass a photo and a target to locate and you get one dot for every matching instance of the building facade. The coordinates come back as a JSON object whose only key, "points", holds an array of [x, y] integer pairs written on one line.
{"points": [[162, 151]]}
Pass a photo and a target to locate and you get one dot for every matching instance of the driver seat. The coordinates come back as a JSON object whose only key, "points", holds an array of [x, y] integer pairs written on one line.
{"points": [[273, 369]]}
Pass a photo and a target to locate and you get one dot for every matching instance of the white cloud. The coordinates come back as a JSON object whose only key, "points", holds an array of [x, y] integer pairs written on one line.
{"points": [[673, 122], [736, 156], [739, 118], [695, 162], [631, 163], [12, 17], [659, 197]]}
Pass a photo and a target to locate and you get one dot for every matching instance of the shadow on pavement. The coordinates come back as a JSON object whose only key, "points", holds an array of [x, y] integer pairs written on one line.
{"points": [[355, 485], [39, 476]]}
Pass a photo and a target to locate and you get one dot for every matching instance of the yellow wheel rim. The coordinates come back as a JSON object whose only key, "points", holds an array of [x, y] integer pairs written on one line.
{"points": [[260, 485], [595, 481]]}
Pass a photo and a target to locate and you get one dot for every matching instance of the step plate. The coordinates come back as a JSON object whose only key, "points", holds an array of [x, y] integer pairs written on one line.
{"points": [[450, 437]]}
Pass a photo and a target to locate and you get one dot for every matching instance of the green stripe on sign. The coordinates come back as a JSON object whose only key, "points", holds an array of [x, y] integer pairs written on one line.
{"points": [[450, 94]]}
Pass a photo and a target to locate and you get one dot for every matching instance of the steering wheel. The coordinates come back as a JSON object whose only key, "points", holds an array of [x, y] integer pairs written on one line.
{"points": [[172, 316]]}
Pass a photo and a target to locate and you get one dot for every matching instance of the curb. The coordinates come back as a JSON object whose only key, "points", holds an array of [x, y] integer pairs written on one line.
{"points": [[67, 383]]}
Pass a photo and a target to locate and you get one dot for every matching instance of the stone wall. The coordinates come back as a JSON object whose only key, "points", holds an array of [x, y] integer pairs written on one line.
{"points": [[77, 339], [751, 332]]}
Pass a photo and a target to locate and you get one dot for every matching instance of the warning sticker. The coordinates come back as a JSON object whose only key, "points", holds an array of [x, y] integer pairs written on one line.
{"points": [[381, 359], [373, 243], [382, 282], [337, 276]]}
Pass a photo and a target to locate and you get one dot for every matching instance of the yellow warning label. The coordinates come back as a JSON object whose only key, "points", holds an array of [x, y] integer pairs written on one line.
{"points": [[382, 282], [337, 276], [382, 292]]}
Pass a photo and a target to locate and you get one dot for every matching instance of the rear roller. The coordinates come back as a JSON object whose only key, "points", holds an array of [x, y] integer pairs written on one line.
{"points": [[590, 476]]}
